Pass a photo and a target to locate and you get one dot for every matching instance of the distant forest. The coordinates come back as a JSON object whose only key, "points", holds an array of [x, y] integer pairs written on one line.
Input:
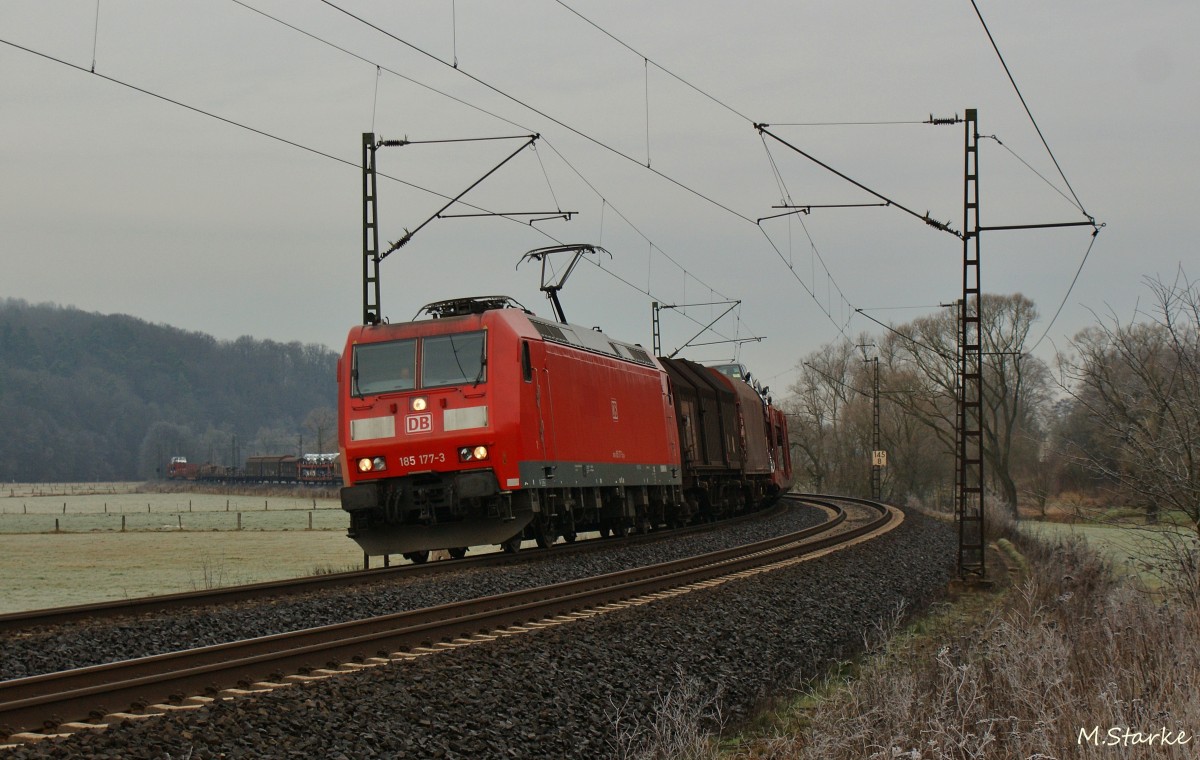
{"points": [[86, 396]]}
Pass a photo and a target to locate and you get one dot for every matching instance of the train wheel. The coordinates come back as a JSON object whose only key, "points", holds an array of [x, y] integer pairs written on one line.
{"points": [[546, 535], [512, 545], [568, 528], [417, 558], [458, 553]]}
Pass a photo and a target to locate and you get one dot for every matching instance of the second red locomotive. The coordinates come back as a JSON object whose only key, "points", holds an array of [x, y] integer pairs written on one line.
{"points": [[484, 424]]}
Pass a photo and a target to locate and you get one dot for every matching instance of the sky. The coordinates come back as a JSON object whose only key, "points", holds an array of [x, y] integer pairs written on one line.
{"points": [[224, 194]]}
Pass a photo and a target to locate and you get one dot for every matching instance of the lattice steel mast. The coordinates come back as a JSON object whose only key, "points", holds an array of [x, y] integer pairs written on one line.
{"points": [[969, 428]]}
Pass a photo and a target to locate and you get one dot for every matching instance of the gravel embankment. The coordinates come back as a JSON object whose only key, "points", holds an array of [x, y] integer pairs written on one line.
{"points": [[80, 645], [562, 692]]}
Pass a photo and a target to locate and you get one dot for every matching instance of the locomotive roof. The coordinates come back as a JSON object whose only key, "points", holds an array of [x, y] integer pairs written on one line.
{"points": [[590, 340], [458, 307], [587, 339], [556, 332]]}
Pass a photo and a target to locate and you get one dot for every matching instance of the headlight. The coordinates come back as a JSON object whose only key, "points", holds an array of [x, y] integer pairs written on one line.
{"points": [[372, 464], [472, 453], [419, 404]]}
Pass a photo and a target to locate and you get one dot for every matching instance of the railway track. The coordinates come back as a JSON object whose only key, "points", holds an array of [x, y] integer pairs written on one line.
{"points": [[14, 621], [157, 684]]}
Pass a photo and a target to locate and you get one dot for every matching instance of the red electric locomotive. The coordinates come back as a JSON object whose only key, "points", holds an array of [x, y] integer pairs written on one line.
{"points": [[484, 424]]}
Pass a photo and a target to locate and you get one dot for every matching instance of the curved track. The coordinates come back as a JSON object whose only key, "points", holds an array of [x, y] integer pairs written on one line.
{"points": [[41, 702]]}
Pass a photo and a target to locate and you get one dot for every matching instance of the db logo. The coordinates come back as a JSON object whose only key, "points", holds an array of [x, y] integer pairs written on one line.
{"points": [[418, 423]]}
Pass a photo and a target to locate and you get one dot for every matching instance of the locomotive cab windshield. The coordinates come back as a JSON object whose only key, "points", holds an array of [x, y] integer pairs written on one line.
{"points": [[454, 359], [445, 360], [384, 367]]}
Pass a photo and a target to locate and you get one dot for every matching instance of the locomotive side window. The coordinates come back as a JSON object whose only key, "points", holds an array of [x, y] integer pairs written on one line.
{"points": [[453, 359], [526, 363], [384, 367]]}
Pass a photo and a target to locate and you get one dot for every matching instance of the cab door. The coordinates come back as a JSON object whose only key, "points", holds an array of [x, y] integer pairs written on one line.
{"points": [[536, 377]]}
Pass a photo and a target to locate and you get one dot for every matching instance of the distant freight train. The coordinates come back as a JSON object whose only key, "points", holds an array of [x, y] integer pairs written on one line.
{"points": [[484, 424], [309, 469]]}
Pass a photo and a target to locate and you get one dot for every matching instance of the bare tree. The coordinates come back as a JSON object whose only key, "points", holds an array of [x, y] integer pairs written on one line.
{"points": [[1138, 383], [922, 358], [321, 423], [820, 422]]}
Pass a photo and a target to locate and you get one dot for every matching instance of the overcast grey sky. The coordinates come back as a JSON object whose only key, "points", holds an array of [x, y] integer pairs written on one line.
{"points": [[115, 201]]}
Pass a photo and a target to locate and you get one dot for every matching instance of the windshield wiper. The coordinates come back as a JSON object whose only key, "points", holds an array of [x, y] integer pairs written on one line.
{"points": [[482, 361]]}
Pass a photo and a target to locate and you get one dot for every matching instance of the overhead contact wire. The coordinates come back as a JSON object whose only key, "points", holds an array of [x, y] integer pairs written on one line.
{"points": [[646, 67], [775, 169], [779, 179], [346, 162], [1067, 295], [460, 101], [661, 68], [237, 124], [787, 196], [1039, 175], [95, 36], [391, 71], [539, 112], [1028, 112], [608, 204], [1061, 173]]}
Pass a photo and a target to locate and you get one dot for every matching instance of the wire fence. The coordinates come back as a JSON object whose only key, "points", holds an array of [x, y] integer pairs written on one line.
{"points": [[90, 510]]}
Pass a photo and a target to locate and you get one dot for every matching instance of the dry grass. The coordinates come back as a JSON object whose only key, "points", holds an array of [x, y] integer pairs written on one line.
{"points": [[677, 729], [1066, 663]]}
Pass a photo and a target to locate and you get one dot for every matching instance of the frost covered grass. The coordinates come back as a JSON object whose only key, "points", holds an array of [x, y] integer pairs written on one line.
{"points": [[65, 544], [53, 570], [1068, 661]]}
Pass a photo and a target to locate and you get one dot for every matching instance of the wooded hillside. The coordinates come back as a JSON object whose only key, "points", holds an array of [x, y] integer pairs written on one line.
{"points": [[86, 396]]}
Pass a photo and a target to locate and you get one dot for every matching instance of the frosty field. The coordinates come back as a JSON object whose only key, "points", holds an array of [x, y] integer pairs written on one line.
{"points": [[172, 542]]}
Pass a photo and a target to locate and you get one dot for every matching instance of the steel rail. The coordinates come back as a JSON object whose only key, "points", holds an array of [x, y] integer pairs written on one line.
{"points": [[41, 702], [13, 621]]}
